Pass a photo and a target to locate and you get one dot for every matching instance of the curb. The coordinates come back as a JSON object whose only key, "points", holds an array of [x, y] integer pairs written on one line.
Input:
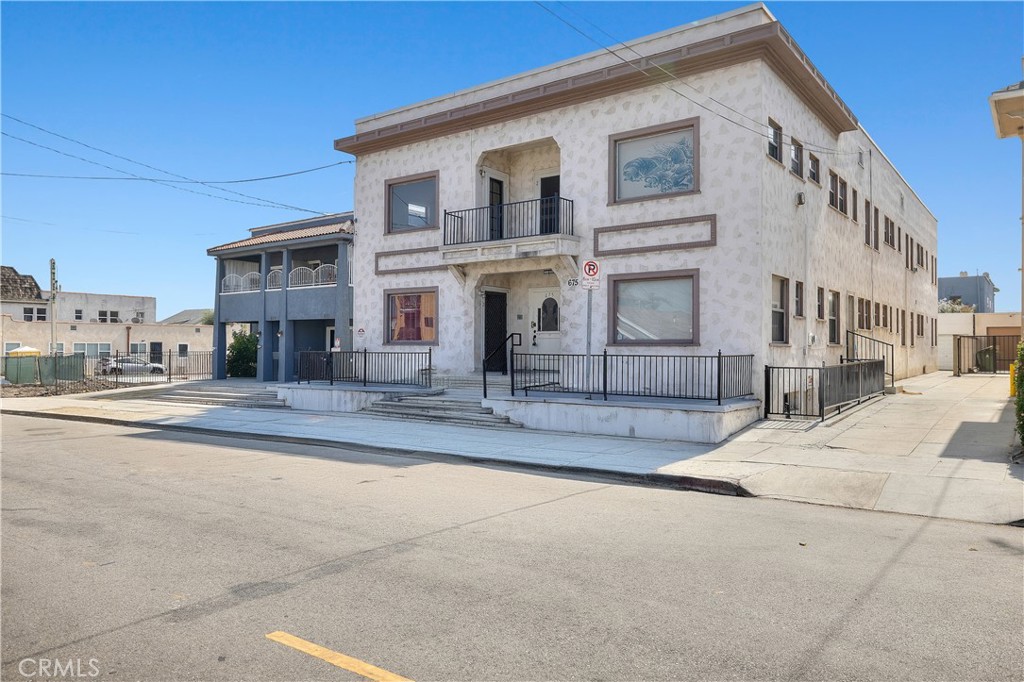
{"points": [[715, 486]]}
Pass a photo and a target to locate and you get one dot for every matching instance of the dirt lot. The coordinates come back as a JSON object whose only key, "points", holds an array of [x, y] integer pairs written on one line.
{"points": [[88, 386]]}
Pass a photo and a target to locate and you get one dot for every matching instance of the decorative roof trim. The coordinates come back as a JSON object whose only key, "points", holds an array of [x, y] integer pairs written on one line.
{"points": [[769, 42]]}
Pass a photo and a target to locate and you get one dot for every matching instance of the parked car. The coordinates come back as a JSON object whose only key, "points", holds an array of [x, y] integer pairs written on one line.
{"points": [[128, 365]]}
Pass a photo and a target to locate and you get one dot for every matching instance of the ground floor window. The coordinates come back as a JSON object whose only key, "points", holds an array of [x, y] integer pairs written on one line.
{"points": [[833, 317], [137, 348], [411, 316], [11, 345], [654, 308], [92, 350], [182, 350], [780, 316]]}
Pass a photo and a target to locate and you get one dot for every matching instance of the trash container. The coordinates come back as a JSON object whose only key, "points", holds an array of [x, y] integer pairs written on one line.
{"points": [[986, 358]]}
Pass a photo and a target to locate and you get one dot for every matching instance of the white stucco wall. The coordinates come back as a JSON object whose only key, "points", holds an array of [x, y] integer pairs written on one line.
{"points": [[37, 334]]}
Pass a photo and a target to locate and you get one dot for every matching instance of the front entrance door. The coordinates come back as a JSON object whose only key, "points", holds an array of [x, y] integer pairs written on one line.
{"points": [[545, 320], [156, 351], [549, 204], [495, 198], [495, 330]]}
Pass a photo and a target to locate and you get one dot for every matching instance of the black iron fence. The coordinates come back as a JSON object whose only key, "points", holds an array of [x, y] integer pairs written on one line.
{"points": [[860, 347], [549, 215], [67, 372], [984, 354], [695, 377], [365, 367], [821, 391]]}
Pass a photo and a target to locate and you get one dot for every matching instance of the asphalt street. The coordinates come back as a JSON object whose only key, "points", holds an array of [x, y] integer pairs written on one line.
{"points": [[158, 555]]}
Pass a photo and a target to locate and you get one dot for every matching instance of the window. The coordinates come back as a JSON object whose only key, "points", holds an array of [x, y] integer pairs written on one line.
{"points": [[140, 315], [412, 203], [798, 301], [890, 232], [780, 314], [92, 350], [833, 190], [650, 163], [58, 348], [867, 222], [920, 325], [137, 348], [853, 203], [920, 255], [842, 196], [27, 314], [821, 303], [885, 316], [878, 314], [103, 316], [874, 229], [182, 350], [796, 158], [41, 314], [656, 308], [411, 316], [833, 317], [813, 168], [11, 345], [863, 313], [899, 239], [78, 314], [775, 141]]}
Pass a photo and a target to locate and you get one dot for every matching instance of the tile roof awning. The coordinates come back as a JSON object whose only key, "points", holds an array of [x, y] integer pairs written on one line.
{"points": [[342, 228]]}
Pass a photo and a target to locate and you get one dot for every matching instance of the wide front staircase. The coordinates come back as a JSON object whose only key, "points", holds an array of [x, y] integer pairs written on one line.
{"points": [[220, 393], [458, 404]]}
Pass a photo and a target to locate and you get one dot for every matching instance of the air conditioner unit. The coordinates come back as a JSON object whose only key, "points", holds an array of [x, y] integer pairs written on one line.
{"points": [[93, 320], [136, 320]]}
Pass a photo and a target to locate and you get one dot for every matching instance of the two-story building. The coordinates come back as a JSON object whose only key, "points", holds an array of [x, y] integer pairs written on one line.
{"points": [[291, 284], [732, 201]]}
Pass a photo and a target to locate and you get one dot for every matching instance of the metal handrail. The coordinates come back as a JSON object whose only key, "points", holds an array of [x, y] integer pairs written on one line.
{"points": [[517, 340], [530, 218], [888, 352]]}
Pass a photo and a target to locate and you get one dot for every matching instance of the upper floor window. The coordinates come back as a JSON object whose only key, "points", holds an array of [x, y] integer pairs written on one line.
{"points": [[833, 317], [833, 190], [853, 204], [79, 313], [412, 203], [798, 300], [37, 314], [654, 162], [842, 196], [796, 158], [813, 168], [775, 140]]}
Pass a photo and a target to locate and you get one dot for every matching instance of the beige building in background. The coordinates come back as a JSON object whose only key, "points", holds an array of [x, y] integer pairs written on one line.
{"points": [[739, 206]]}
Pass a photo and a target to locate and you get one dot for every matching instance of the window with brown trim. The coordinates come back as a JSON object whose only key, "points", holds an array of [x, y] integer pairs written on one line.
{"points": [[780, 309], [410, 316], [659, 308], [775, 140], [411, 203], [655, 162]]}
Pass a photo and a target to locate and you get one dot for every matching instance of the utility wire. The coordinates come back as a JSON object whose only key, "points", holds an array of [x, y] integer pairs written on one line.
{"points": [[761, 133], [175, 182], [267, 203]]}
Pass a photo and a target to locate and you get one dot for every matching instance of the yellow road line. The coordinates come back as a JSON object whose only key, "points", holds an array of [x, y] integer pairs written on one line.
{"points": [[354, 665]]}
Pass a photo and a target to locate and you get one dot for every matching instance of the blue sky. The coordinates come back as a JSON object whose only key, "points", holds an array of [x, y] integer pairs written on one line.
{"points": [[225, 91]]}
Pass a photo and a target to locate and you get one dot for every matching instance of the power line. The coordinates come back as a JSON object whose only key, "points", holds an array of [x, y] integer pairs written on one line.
{"points": [[761, 133], [266, 203], [174, 182]]}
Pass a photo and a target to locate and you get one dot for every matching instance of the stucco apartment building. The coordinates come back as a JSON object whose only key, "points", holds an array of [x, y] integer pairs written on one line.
{"points": [[289, 283], [732, 201], [92, 324]]}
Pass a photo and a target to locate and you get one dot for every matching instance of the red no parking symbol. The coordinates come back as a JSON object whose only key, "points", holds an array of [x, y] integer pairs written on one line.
{"points": [[590, 268]]}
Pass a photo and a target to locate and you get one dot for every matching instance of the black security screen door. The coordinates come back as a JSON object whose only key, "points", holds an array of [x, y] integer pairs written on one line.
{"points": [[549, 188], [156, 351], [495, 329]]}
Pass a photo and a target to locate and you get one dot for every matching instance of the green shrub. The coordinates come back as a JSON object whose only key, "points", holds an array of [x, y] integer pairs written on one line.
{"points": [[241, 359], [1019, 383]]}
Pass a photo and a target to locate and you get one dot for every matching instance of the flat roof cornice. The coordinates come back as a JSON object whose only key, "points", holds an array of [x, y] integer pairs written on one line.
{"points": [[769, 42]]}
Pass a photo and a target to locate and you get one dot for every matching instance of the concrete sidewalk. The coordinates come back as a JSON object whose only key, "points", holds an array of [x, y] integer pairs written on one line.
{"points": [[941, 448]]}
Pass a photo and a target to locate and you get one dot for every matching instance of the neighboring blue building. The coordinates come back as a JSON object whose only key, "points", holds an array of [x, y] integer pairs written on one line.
{"points": [[976, 290], [291, 283]]}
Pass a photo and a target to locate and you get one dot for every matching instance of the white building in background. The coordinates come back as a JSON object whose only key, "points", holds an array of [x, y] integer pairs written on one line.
{"points": [[92, 324], [739, 206]]}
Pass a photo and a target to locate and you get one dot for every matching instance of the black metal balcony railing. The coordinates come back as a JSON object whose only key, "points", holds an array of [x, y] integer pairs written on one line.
{"points": [[550, 215]]}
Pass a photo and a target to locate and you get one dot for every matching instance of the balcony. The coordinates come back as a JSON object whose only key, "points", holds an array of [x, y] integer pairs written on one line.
{"points": [[538, 227], [302, 276]]}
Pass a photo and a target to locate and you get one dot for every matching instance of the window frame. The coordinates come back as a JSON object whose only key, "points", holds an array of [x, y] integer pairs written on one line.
{"points": [[833, 189], [28, 314], [775, 139], [814, 169], [434, 175], [613, 305], [784, 310], [798, 299], [843, 188], [651, 131], [821, 303], [834, 305], [386, 329], [796, 156], [79, 314]]}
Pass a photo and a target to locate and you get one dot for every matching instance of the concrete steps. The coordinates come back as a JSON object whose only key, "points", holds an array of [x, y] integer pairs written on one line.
{"points": [[252, 396], [439, 409]]}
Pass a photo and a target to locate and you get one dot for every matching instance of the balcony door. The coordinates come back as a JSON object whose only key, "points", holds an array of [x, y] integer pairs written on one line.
{"points": [[495, 199], [549, 204]]}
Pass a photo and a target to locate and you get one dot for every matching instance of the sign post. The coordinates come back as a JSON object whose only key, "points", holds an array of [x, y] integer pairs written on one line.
{"points": [[590, 281]]}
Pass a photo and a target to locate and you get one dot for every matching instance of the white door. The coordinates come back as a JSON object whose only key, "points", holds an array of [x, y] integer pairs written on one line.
{"points": [[545, 321]]}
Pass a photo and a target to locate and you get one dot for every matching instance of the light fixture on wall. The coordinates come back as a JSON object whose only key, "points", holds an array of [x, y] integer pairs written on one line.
{"points": [[280, 333], [801, 199]]}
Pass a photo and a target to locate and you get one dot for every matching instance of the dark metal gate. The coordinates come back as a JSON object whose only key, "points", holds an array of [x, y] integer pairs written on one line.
{"points": [[984, 354]]}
